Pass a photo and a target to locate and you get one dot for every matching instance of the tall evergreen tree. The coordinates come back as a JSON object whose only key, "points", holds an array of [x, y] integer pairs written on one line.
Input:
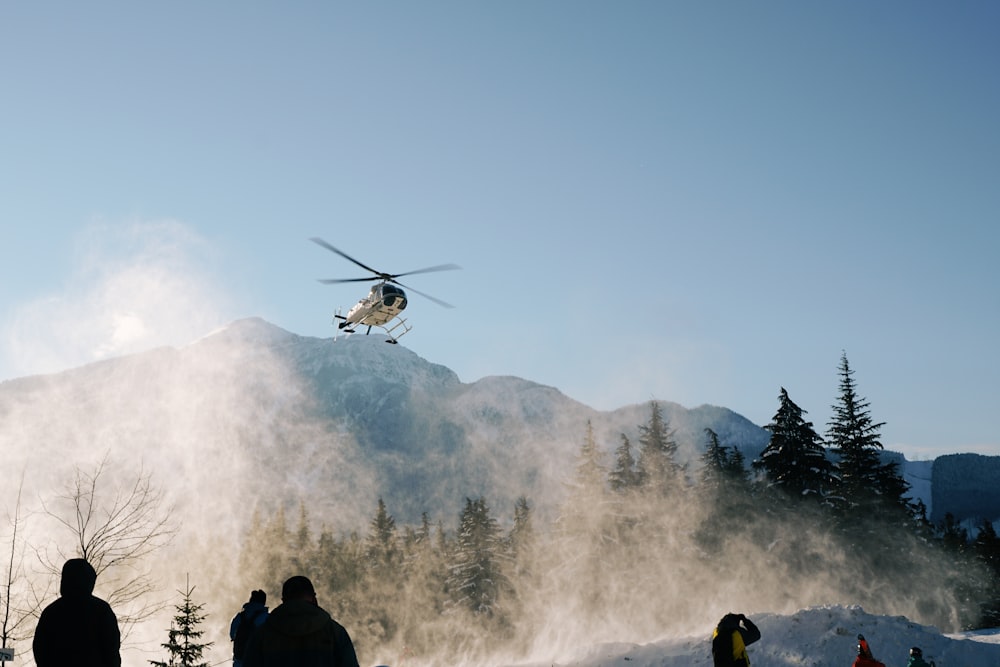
{"points": [[585, 515], [795, 459], [954, 537], [381, 545], [658, 467], [715, 461], [521, 549], [854, 437], [476, 579], [727, 494], [624, 475], [590, 474], [273, 542], [736, 468], [987, 550], [987, 546], [382, 576], [522, 533], [183, 636]]}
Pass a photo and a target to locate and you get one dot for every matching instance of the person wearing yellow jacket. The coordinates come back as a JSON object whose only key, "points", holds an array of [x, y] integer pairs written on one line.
{"points": [[730, 640]]}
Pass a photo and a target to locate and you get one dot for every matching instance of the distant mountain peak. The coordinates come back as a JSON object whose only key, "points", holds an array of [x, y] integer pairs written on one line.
{"points": [[411, 426], [251, 329]]}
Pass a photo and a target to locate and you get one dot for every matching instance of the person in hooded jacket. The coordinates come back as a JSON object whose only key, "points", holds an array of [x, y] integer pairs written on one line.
{"points": [[917, 658], [78, 628], [865, 657], [243, 625], [729, 641], [300, 633]]}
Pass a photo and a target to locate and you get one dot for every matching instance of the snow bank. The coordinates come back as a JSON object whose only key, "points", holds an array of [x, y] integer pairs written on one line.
{"points": [[814, 637]]}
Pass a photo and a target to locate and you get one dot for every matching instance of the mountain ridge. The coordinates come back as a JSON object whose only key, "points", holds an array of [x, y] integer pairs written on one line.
{"points": [[377, 420]]}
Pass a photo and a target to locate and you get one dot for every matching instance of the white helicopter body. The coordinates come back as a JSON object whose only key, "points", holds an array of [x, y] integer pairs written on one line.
{"points": [[385, 300]]}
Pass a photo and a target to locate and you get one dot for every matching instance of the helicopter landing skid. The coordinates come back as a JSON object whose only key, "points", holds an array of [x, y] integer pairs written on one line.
{"points": [[400, 323], [392, 337], [342, 326]]}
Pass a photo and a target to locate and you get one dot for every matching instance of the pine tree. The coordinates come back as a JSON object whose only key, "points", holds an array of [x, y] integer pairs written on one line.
{"points": [[714, 461], [721, 465], [658, 468], [726, 492], [795, 459], [954, 537], [183, 635], [381, 544], [585, 515], [476, 579], [521, 550], [624, 475], [586, 489], [589, 471], [265, 553], [854, 438], [522, 533], [987, 546], [382, 581], [736, 468], [987, 550]]}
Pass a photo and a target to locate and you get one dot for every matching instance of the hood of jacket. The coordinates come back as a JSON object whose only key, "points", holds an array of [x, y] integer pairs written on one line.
{"points": [[254, 609], [729, 622], [78, 578], [297, 618]]}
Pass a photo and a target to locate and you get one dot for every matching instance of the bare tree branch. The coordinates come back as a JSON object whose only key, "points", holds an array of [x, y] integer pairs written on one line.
{"points": [[115, 531], [15, 615]]}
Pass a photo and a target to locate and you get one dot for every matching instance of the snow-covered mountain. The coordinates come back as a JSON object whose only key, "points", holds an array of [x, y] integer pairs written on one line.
{"points": [[255, 418], [373, 420]]}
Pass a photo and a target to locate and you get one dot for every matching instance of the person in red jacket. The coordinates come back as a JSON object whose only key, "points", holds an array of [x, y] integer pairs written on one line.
{"points": [[865, 657]]}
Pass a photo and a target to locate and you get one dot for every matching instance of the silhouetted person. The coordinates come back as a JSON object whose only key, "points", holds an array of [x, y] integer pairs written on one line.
{"points": [[300, 633], [244, 624], [730, 641], [917, 658], [77, 629]]}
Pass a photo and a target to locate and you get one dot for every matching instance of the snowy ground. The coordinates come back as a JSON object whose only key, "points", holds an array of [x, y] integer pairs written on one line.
{"points": [[815, 637]]}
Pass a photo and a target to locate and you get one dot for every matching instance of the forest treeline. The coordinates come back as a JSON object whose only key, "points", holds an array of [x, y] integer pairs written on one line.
{"points": [[643, 545]]}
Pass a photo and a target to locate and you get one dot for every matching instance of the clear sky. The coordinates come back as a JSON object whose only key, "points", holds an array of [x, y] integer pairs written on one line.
{"points": [[700, 202]]}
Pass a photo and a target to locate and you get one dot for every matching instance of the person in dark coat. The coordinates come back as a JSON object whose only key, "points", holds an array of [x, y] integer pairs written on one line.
{"points": [[730, 641], [77, 629], [917, 658], [300, 633], [243, 625]]}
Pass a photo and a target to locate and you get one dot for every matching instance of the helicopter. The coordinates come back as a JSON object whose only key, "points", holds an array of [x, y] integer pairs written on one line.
{"points": [[385, 300]]}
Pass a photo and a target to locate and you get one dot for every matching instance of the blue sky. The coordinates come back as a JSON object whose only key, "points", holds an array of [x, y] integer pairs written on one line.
{"points": [[700, 202]]}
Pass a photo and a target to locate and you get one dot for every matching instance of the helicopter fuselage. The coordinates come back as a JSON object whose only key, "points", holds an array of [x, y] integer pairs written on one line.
{"points": [[384, 302]]}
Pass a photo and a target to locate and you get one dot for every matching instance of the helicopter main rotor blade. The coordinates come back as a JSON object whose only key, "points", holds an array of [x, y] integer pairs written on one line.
{"points": [[334, 281], [426, 296], [379, 275], [429, 269], [319, 241]]}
